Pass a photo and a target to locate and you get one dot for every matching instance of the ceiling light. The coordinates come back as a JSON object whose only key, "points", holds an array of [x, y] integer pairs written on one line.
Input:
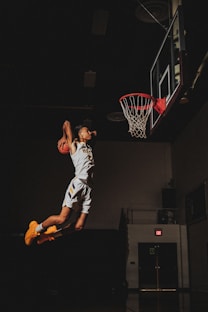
{"points": [[116, 117], [151, 11]]}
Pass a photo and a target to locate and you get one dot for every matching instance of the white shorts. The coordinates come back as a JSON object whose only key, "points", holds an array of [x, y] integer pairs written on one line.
{"points": [[78, 196]]}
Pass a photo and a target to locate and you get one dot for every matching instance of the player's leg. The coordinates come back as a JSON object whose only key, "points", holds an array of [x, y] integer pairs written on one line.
{"points": [[68, 227], [78, 197], [36, 229], [80, 223], [49, 225]]}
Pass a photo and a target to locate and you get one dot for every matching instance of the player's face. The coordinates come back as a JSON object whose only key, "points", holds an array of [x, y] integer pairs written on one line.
{"points": [[85, 134]]}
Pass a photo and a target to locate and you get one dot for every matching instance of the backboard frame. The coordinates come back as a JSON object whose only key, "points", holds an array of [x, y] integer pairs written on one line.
{"points": [[167, 75]]}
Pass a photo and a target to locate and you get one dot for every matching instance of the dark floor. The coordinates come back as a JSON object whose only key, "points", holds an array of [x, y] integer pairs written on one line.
{"points": [[167, 302], [135, 302], [79, 275]]}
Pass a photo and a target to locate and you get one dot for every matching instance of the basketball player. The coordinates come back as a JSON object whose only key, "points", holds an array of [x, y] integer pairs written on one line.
{"points": [[77, 199]]}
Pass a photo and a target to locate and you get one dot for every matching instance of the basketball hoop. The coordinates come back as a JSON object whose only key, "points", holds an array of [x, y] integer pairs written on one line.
{"points": [[136, 108]]}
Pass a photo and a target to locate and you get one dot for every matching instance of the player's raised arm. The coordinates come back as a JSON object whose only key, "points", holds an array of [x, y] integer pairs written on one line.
{"points": [[67, 131]]}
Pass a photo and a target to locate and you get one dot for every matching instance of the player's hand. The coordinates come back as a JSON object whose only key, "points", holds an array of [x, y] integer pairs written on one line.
{"points": [[61, 142], [66, 124]]}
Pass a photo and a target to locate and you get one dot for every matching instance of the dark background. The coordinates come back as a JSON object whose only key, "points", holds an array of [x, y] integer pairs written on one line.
{"points": [[49, 46]]}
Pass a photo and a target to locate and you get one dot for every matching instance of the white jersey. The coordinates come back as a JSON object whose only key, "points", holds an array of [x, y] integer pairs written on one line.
{"points": [[83, 162]]}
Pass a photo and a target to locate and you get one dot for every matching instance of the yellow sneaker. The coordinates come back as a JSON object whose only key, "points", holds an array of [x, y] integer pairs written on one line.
{"points": [[31, 234], [51, 229], [47, 235]]}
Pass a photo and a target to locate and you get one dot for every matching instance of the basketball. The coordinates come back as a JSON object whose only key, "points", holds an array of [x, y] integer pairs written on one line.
{"points": [[63, 148]]}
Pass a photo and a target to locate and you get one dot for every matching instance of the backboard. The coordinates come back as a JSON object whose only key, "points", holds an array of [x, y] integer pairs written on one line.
{"points": [[167, 77]]}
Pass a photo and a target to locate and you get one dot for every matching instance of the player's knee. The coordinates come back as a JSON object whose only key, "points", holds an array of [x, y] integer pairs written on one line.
{"points": [[61, 220]]}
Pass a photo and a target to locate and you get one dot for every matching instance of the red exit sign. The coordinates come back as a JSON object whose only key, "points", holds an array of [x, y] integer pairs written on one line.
{"points": [[158, 232]]}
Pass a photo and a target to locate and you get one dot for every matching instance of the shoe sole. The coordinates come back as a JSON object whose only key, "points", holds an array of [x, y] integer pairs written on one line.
{"points": [[29, 235]]}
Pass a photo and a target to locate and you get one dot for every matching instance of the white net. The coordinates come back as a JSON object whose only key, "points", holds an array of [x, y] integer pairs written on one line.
{"points": [[136, 108]]}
